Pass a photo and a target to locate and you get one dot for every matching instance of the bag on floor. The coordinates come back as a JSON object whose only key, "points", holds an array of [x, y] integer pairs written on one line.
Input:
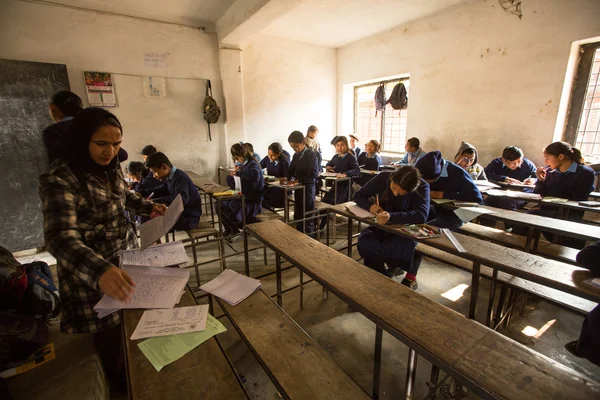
{"points": [[41, 298], [20, 337], [13, 280]]}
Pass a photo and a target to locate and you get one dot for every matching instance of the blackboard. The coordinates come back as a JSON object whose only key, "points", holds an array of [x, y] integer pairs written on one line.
{"points": [[25, 88]]}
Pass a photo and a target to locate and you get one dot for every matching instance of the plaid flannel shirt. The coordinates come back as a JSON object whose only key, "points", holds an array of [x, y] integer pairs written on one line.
{"points": [[85, 228]]}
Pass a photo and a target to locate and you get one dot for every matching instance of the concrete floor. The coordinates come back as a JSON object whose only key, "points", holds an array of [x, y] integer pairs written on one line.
{"points": [[349, 337]]}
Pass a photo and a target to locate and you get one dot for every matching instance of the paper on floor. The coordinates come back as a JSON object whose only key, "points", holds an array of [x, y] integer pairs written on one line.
{"points": [[231, 287], [171, 322]]}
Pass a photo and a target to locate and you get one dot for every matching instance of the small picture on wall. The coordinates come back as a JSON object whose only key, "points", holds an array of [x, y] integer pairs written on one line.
{"points": [[100, 89]]}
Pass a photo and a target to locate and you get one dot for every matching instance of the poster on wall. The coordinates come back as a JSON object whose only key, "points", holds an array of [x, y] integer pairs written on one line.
{"points": [[154, 87], [100, 89]]}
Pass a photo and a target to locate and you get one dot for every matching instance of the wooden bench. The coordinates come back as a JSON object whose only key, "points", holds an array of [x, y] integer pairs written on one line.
{"points": [[297, 365], [551, 250], [268, 215], [206, 362], [492, 365]]}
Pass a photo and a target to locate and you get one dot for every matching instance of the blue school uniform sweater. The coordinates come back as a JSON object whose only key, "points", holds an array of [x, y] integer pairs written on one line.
{"points": [[497, 171], [147, 182], [178, 182], [278, 168], [348, 165], [456, 184], [574, 184], [252, 181], [304, 167], [412, 208], [372, 164]]}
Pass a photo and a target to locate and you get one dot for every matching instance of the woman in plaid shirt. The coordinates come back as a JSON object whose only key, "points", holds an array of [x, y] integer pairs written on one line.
{"points": [[84, 197]]}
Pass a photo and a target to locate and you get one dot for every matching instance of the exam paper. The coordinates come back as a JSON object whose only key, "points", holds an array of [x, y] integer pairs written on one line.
{"points": [[485, 184], [154, 288], [162, 351], [155, 228], [170, 322], [231, 287], [515, 194], [359, 212], [467, 214], [329, 174], [160, 255], [550, 199]]}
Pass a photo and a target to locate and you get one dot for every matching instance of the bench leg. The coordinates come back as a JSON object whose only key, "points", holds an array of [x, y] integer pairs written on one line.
{"points": [[377, 357], [334, 228], [500, 307], [474, 289], [195, 257], [278, 277], [511, 304], [528, 241], [490, 310], [411, 374], [264, 254], [433, 381], [349, 238], [246, 257], [301, 290]]}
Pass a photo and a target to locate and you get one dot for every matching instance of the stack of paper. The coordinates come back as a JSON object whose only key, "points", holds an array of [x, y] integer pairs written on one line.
{"points": [[171, 322], [154, 288], [515, 194], [329, 174], [155, 228], [231, 287], [359, 212], [485, 184], [160, 255], [550, 199]]}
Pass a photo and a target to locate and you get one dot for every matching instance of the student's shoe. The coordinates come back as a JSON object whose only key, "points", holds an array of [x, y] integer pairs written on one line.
{"points": [[410, 283], [572, 348], [234, 238], [395, 271]]}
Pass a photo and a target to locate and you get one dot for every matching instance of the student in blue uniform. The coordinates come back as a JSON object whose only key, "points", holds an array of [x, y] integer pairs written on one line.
{"points": [[147, 151], [63, 107], [512, 167], [403, 198], [252, 181], [467, 158], [369, 160], [344, 164], [142, 177], [566, 177], [305, 169], [354, 145], [277, 165], [588, 344], [174, 182], [313, 143], [414, 152], [254, 154], [447, 181]]}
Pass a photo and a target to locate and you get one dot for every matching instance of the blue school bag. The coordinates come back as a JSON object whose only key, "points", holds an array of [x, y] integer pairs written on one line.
{"points": [[41, 299]]}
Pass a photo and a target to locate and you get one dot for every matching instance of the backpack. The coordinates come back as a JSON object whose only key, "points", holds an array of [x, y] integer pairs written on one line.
{"points": [[380, 98], [20, 337], [27, 288], [211, 110], [398, 99]]}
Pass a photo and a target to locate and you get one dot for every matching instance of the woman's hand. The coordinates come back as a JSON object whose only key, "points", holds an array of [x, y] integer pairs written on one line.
{"points": [[117, 284], [383, 217], [540, 172], [330, 169], [340, 175], [512, 181], [159, 209], [375, 209], [436, 194]]}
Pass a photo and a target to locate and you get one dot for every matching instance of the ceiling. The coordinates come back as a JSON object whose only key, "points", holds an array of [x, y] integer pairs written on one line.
{"points": [[335, 23], [196, 13]]}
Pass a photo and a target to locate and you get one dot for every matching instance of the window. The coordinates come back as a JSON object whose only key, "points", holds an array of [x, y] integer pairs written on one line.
{"points": [[388, 127], [583, 119]]}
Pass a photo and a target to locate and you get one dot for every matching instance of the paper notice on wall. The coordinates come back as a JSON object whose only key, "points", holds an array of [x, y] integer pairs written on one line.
{"points": [[154, 87], [156, 60], [100, 89]]}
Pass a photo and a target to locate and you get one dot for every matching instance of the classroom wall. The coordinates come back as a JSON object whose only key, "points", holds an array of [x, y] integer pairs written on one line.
{"points": [[288, 86], [90, 41], [477, 73]]}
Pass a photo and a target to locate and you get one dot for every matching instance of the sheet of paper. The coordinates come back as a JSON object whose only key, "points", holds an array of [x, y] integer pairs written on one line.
{"points": [[170, 322], [359, 212], [154, 288], [231, 287], [485, 184], [453, 240], [467, 214], [160, 255], [162, 351], [238, 183], [329, 174], [442, 201], [515, 194], [550, 199], [157, 227]]}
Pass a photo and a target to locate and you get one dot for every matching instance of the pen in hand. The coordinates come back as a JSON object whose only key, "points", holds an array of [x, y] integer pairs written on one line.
{"points": [[149, 197]]}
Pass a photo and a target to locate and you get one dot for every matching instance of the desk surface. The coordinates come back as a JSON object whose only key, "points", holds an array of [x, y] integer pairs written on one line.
{"points": [[206, 184], [206, 365], [555, 274], [460, 346], [570, 204]]}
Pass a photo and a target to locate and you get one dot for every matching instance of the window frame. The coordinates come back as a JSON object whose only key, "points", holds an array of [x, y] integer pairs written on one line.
{"points": [[382, 123], [578, 91]]}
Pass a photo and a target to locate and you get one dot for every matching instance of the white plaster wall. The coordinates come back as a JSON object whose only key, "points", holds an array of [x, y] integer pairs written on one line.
{"points": [[477, 73], [288, 86], [89, 41]]}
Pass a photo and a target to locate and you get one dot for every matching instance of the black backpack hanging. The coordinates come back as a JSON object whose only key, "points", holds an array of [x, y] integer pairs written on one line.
{"points": [[398, 99], [211, 110], [380, 98]]}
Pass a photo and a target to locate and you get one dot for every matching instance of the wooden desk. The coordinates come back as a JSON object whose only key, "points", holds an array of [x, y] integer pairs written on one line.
{"points": [[562, 206], [286, 203], [203, 373], [492, 365]]}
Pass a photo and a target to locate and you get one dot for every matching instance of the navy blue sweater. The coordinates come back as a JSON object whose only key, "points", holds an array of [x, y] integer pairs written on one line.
{"points": [[252, 181], [372, 164], [304, 167], [181, 184], [346, 165], [497, 171], [147, 182], [279, 170], [458, 185], [412, 208], [575, 185]]}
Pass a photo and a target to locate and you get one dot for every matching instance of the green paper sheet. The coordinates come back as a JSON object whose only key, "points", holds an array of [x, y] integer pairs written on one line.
{"points": [[162, 351]]}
